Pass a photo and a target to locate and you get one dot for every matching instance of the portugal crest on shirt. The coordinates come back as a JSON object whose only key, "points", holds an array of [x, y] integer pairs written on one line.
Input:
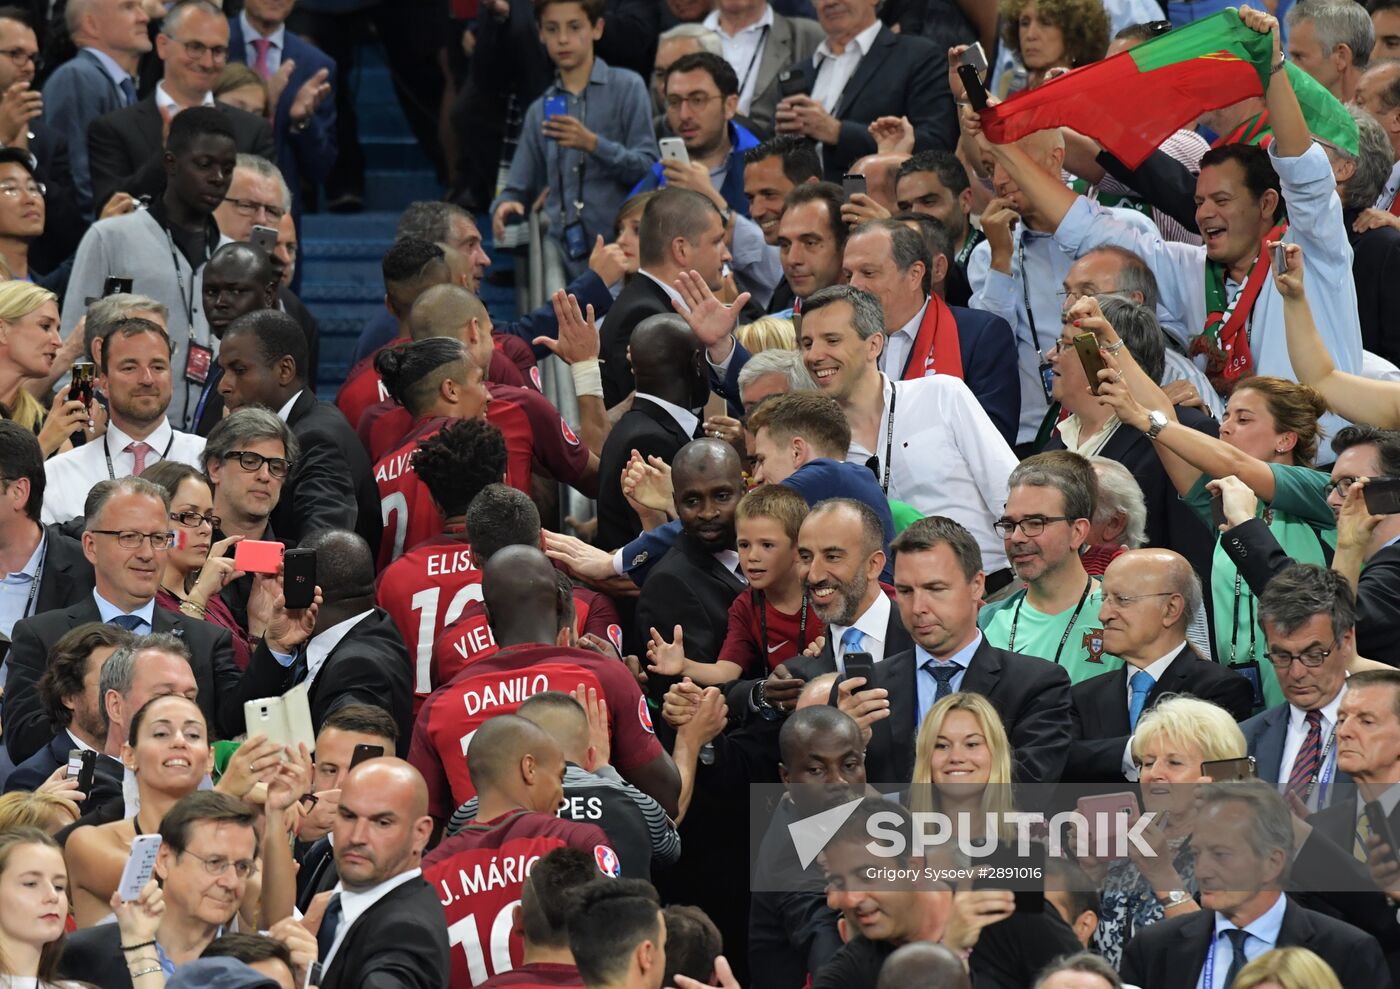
{"points": [[1093, 645]]}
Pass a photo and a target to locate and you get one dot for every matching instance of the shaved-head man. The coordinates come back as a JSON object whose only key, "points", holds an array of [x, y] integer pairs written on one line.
{"points": [[518, 770], [381, 829], [923, 965], [1149, 596]]}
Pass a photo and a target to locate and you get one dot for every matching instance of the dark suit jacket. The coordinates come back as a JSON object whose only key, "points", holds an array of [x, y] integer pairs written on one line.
{"points": [[28, 775], [641, 298], [94, 955], [984, 340], [1265, 734], [1171, 953], [399, 943], [64, 225], [899, 77], [692, 589], [370, 665], [1375, 257], [67, 577], [317, 873], [125, 146], [1170, 522], [648, 429], [791, 39], [1257, 554], [1100, 710], [310, 153], [27, 727], [332, 485]]}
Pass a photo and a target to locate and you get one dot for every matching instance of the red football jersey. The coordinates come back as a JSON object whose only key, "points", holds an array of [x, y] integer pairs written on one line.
{"points": [[498, 685], [362, 388], [788, 635], [479, 873], [468, 639], [537, 975]]}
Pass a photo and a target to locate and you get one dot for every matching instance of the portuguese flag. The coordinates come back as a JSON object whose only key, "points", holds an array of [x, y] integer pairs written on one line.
{"points": [[1132, 102]]}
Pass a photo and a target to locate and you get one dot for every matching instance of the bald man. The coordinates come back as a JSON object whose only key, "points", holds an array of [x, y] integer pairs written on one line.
{"points": [[1149, 595], [383, 924], [924, 965], [531, 619], [518, 770]]}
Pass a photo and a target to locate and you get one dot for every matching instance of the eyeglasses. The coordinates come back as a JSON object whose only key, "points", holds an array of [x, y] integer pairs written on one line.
{"points": [[250, 207], [1031, 527], [1061, 345], [252, 462], [15, 191], [1311, 658], [131, 539], [196, 50], [1341, 485], [217, 865], [21, 58], [1122, 601], [193, 520], [696, 101]]}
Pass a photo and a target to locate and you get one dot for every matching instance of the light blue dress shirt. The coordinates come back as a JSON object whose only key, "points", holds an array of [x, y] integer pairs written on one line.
{"points": [[1263, 936], [108, 611], [924, 680], [15, 589]]}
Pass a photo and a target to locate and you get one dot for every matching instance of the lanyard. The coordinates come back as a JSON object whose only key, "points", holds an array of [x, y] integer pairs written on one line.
{"points": [[1235, 627], [889, 441], [582, 165], [1026, 296], [1016, 619], [1324, 772], [187, 300], [111, 474], [34, 587], [757, 50], [762, 602], [1208, 976]]}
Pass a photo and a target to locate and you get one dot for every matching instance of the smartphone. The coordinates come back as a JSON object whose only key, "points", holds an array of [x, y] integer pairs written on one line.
{"points": [[673, 149], [794, 81], [975, 56], [972, 82], [1217, 511], [257, 556], [363, 752], [82, 381], [139, 866], [299, 577], [1024, 875], [116, 285], [1230, 770], [285, 720], [264, 239], [82, 765], [1086, 345], [556, 106], [861, 664], [852, 183], [1280, 258], [1382, 495], [1115, 811]]}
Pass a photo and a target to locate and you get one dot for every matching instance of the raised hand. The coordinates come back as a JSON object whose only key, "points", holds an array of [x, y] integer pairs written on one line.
{"points": [[578, 334], [666, 658], [709, 319]]}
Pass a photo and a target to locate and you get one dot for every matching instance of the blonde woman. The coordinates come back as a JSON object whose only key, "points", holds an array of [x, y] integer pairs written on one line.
{"points": [[1170, 744], [962, 763], [767, 333], [1287, 968], [49, 812], [29, 347]]}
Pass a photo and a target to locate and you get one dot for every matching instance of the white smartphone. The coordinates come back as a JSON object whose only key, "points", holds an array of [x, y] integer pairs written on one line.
{"points": [[673, 149], [285, 720], [139, 866]]}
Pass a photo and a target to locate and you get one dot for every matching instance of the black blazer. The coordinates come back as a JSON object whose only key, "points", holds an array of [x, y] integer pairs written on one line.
{"points": [[901, 76], [27, 727], [650, 430], [1170, 522], [1265, 734], [692, 589], [370, 665], [399, 943], [28, 775], [125, 148], [641, 298], [317, 872], [1100, 710], [67, 578], [94, 955], [1171, 953], [332, 485]]}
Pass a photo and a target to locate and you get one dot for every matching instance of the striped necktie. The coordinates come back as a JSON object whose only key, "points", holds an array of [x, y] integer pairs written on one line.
{"points": [[1309, 758]]}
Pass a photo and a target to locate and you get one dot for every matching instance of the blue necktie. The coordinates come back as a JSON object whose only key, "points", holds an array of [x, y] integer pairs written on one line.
{"points": [[131, 623], [1238, 959], [944, 674], [128, 89], [330, 921], [1141, 684], [851, 640]]}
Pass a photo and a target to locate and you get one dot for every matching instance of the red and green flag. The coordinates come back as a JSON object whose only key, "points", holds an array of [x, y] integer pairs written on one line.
{"points": [[1132, 102]]}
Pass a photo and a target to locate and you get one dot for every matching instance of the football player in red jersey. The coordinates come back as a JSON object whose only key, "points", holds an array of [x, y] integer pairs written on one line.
{"points": [[542, 922], [530, 619], [427, 587], [480, 871], [437, 381], [498, 517], [617, 933]]}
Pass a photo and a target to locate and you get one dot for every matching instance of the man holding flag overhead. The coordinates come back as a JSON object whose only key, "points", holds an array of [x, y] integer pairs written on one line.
{"points": [[1222, 288]]}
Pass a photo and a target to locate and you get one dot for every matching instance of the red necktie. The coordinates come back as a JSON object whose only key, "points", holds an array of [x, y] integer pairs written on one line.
{"points": [[261, 45], [1309, 758], [138, 453]]}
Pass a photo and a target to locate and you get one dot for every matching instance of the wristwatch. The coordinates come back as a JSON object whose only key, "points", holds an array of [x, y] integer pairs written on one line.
{"points": [[1174, 899], [1156, 422]]}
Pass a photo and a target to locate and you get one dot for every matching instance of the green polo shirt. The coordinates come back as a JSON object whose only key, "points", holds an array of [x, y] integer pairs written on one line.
{"points": [[1039, 634]]}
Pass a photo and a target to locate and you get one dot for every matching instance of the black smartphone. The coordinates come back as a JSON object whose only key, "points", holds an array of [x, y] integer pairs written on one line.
{"points": [[972, 82], [851, 184], [82, 385], [794, 81], [1086, 345], [1217, 510], [299, 578], [116, 285], [264, 239], [1023, 875], [82, 764], [861, 664], [363, 752], [313, 976], [1280, 258], [1382, 495], [1230, 770]]}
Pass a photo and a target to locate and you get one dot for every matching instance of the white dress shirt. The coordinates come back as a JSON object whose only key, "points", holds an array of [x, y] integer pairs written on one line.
{"points": [[743, 51], [167, 105], [69, 476], [1296, 732], [324, 643], [685, 419], [873, 622], [900, 343], [274, 50], [834, 71], [1155, 671], [353, 905], [286, 409], [948, 457]]}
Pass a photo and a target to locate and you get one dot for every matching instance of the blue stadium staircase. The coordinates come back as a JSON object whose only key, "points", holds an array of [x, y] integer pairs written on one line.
{"points": [[340, 253]]}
